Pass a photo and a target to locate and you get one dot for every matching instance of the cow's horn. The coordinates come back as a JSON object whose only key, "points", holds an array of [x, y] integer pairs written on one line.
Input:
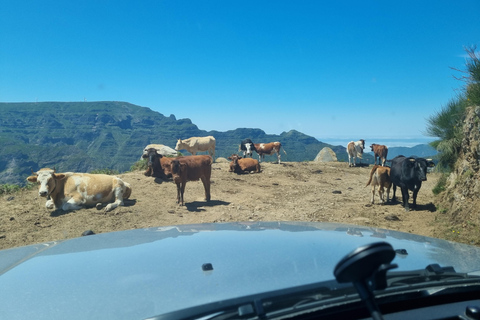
{"points": [[411, 160], [34, 173]]}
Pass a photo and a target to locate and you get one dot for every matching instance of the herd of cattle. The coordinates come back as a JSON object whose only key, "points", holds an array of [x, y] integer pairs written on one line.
{"points": [[72, 191]]}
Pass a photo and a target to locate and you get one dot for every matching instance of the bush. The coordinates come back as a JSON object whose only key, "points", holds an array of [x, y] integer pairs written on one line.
{"points": [[441, 184], [139, 165], [9, 188], [105, 171]]}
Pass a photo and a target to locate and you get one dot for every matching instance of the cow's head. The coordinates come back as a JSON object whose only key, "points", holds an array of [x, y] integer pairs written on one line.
{"points": [[372, 147], [234, 158], [152, 155], [47, 178], [179, 144], [362, 142], [418, 168], [249, 149]]}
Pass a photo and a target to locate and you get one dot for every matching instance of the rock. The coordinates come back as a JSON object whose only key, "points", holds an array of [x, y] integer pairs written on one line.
{"points": [[326, 155]]}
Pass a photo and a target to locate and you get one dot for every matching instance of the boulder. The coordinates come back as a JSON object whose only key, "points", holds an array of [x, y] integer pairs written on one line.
{"points": [[326, 155]]}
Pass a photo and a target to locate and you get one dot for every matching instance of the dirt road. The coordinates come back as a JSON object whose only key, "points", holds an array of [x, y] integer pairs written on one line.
{"points": [[292, 191]]}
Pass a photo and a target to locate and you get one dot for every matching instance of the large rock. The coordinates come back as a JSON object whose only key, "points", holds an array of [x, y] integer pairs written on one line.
{"points": [[326, 155]]}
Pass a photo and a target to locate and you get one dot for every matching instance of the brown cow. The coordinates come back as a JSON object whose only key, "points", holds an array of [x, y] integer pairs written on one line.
{"points": [[191, 168], [268, 149], [381, 152], [159, 166], [243, 165], [380, 176]]}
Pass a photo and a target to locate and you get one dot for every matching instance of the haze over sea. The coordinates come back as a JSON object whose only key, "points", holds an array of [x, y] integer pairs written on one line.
{"points": [[389, 142]]}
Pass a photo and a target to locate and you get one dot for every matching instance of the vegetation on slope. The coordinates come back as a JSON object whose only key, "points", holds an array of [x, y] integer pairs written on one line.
{"points": [[457, 128]]}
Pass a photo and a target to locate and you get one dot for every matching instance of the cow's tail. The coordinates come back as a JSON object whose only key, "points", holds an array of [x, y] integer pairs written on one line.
{"points": [[371, 174], [284, 151]]}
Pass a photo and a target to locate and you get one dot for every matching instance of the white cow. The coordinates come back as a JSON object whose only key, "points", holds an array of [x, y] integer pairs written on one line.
{"points": [[354, 150], [72, 191], [196, 144]]}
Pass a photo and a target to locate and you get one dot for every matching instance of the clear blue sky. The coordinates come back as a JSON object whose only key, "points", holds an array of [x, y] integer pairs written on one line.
{"points": [[330, 69]]}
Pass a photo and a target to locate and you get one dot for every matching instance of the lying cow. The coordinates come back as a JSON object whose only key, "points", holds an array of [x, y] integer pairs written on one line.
{"points": [[408, 174], [247, 146], [380, 152], [268, 149], [243, 165], [72, 191], [196, 144], [158, 165], [380, 176], [191, 168], [355, 150]]}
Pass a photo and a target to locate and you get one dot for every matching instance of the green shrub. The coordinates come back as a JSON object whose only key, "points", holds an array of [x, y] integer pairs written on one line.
{"points": [[9, 188], [105, 171], [139, 165], [441, 184]]}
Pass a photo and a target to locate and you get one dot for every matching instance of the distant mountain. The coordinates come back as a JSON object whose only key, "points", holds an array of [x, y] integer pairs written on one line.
{"points": [[83, 136]]}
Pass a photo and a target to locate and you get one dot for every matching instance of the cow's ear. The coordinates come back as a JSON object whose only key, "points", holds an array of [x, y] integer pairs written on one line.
{"points": [[58, 176], [32, 179]]}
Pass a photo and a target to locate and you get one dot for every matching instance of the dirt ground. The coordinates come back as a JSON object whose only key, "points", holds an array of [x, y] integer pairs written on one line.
{"points": [[291, 191]]}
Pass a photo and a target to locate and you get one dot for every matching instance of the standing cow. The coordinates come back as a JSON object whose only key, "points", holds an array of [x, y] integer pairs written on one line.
{"points": [[408, 174], [247, 146], [380, 176], [72, 191], [355, 150], [196, 144], [380, 152], [270, 148], [191, 168]]}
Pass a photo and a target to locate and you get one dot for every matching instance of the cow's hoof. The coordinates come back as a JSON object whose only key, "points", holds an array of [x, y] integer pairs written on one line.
{"points": [[99, 206]]}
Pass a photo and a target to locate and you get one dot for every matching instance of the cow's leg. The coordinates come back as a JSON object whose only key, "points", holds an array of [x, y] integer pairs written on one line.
{"points": [[373, 194], [206, 186], [381, 193], [74, 203], [394, 191], [405, 198], [178, 192], [388, 194], [50, 204], [415, 192], [278, 157], [182, 191]]}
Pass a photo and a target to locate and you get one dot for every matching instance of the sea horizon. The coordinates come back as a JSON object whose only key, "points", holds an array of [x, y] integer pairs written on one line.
{"points": [[389, 142]]}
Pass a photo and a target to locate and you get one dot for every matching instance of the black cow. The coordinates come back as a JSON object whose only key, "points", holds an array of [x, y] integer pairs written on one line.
{"points": [[247, 146], [408, 174]]}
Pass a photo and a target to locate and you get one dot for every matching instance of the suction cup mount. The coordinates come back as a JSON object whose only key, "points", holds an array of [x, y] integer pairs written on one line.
{"points": [[367, 268]]}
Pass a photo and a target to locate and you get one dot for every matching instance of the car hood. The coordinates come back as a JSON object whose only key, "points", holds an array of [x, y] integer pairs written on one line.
{"points": [[140, 273]]}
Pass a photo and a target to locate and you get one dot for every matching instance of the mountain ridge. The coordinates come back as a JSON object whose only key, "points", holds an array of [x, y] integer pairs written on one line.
{"points": [[83, 136]]}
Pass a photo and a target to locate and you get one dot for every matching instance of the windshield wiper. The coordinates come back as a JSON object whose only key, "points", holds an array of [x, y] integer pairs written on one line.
{"points": [[432, 272]]}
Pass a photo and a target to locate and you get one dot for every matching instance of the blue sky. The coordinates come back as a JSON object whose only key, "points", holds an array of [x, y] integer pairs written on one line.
{"points": [[335, 70]]}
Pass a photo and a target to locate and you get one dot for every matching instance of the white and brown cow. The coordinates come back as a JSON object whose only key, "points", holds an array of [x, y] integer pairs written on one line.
{"points": [[355, 150], [380, 176], [72, 191], [196, 144], [243, 165], [380, 152], [191, 168], [268, 149]]}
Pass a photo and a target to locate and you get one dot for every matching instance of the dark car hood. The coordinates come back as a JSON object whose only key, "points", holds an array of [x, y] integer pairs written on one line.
{"points": [[140, 273]]}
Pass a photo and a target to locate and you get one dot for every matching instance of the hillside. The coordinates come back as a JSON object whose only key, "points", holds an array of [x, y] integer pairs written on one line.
{"points": [[83, 136]]}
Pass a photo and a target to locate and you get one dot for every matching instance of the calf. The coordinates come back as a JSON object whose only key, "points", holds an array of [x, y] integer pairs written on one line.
{"points": [[268, 149], [380, 176], [243, 165], [408, 174], [379, 151], [158, 166], [354, 150], [72, 191], [191, 168]]}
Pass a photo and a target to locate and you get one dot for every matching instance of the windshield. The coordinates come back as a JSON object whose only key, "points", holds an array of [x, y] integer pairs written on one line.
{"points": [[250, 145]]}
